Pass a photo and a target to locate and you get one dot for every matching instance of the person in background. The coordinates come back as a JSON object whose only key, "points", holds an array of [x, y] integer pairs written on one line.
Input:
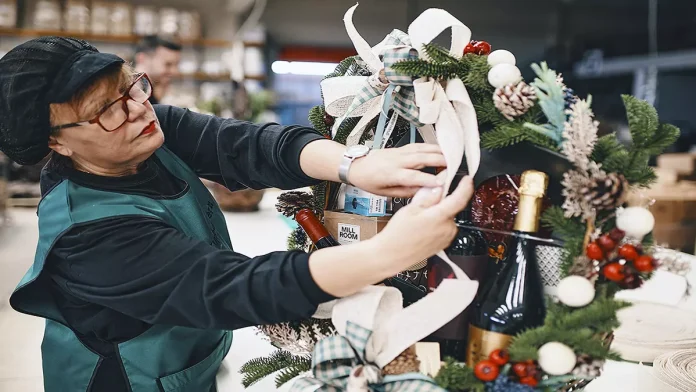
{"points": [[159, 58]]}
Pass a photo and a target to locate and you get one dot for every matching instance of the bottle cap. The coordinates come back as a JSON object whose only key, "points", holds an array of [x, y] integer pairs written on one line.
{"points": [[534, 183]]}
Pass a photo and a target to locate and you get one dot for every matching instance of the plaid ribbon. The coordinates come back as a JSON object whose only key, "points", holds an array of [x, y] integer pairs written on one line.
{"points": [[397, 47], [336, 360]]}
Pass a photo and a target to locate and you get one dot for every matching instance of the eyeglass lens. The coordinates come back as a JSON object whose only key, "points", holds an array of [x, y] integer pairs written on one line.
{"points": [[116, 114]]}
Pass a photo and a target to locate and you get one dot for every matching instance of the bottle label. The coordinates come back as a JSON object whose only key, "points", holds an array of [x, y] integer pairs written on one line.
{"points": [[348, 234], [482, 343]]}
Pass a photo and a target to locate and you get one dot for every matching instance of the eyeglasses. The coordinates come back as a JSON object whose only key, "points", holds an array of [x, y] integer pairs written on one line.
{"points": [[115, 114]]}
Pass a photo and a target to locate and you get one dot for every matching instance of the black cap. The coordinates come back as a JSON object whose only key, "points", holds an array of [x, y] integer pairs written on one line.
{"points": [[32, 76]]}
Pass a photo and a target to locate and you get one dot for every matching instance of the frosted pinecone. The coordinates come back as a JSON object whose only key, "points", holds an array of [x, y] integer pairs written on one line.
{"points": [[587, 368], [514, 100], [290, 202]]}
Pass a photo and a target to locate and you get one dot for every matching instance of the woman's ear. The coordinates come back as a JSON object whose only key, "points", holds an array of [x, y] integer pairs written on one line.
{"points": [[54, 143]]}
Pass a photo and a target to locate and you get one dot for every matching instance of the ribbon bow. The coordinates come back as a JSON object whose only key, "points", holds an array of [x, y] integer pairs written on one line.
{"points": [[424, 102], [339, 364]]}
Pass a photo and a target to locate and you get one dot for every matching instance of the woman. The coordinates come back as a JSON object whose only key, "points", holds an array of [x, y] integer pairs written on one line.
{"points": [[134, 270]]}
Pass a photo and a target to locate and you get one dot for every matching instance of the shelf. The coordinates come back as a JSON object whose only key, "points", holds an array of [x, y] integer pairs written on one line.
{"points": [[203, 77], [125, 39]]}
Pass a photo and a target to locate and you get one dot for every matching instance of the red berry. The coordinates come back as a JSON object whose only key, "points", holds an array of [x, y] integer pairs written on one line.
{"points": [[531, 381], [628, 252], [482, 48], [631, 282], [486, 371], [499, 357], [520, 369], [644, 263], [606, 243], [614, 272], [594, 252], [617, 234], [470, 47]]}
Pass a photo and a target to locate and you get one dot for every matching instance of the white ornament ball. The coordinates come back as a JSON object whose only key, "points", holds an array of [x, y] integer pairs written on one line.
{"points": [[503, 74], [501, 56], [556, 358], [636, 222], [575, 291]]}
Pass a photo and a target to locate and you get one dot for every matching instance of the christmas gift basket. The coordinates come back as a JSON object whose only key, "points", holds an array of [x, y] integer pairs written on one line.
{"points": [[549, 206]]}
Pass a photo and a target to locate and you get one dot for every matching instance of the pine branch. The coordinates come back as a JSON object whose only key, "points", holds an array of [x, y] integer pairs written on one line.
{"points": [[259, 368], [291, 372], [439, 54], [487, 113], [319, 199], [583, 341], [343, 67], [455, 377], [606, 146], [664, 137], [316, 118], [345, 129], [600, 316], [642, 120], [473, 71], [423, 68], [554, 218], [503, 136], [618, 162]]}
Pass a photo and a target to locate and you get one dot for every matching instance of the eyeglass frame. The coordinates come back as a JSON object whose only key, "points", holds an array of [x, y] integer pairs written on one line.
{"points": [[124, 100]]}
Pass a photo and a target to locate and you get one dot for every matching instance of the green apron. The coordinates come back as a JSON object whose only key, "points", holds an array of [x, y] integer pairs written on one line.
{"points": [[158, 359]]}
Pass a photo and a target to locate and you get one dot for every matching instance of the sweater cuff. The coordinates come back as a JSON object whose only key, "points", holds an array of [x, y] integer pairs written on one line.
{"points": [[309, 287]]}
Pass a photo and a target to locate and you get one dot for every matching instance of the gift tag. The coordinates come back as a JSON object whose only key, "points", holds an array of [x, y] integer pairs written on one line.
{"points": [[429, 357]]}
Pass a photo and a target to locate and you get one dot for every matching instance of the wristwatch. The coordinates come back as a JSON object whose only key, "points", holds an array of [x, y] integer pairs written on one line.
{"points": [[352, 153]]}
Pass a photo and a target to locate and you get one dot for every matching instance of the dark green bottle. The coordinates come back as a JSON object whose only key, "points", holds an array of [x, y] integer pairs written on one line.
{"points": [[512, 301]]}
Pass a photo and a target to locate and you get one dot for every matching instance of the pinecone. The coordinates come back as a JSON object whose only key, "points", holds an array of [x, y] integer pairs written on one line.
{"points": [[290, 202], [605, 193], [514, 100], [583, 266], [406, 362], [587, 368]]}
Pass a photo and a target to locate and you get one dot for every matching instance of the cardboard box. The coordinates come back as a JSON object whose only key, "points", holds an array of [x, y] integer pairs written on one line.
{"points": [[682, 164], [350, 228]]}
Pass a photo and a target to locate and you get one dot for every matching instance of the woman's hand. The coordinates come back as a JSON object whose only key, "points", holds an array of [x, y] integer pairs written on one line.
{"points": [[424, 227], [414, 233], [396, 172]]}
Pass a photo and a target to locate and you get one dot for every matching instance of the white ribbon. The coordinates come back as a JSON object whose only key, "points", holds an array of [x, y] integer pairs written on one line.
{"points": [[441, 107]]}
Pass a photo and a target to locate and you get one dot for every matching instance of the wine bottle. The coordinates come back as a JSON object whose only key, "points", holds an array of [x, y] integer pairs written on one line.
{"points": [[514, 300], [314, 229]]}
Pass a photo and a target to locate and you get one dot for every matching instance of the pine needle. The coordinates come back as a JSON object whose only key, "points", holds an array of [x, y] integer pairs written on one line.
{"points": [[456, 377], [259, 368], [438, 54]]}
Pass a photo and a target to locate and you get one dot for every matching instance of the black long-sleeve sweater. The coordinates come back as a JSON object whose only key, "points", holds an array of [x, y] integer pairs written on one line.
{"points": [[113, 279]]}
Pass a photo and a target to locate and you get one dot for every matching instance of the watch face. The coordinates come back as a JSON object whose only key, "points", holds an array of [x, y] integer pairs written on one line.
{"points": [[358, 150]]}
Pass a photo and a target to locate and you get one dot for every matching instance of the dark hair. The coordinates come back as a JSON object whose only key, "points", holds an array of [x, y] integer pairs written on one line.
{"points": [[150, 43]]}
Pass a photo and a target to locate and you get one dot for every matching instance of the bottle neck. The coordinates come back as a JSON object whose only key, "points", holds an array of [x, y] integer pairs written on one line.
{"points": [[527, 219], [311, 225]]}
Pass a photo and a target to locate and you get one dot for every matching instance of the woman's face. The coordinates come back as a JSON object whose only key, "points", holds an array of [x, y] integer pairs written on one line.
{"points": [[90, 146]]}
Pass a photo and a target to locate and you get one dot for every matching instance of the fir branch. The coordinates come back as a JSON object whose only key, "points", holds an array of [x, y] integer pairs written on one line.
{"points": [[606, 146], [289, 373], [316, 118], [617, 162], [343, 67], [664, 137], [554, 218], [573, 248], [525, 346], [487, 113], [345, 129], [259, 368], [503, 136], [473, 71], [319, 197], [600, 316], [456, 377], [423, 68], [642, 120], [438, 54]]}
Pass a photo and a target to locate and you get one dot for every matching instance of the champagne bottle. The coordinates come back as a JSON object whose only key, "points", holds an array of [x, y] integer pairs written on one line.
{"points": [[314, 229], [514, 300]]}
